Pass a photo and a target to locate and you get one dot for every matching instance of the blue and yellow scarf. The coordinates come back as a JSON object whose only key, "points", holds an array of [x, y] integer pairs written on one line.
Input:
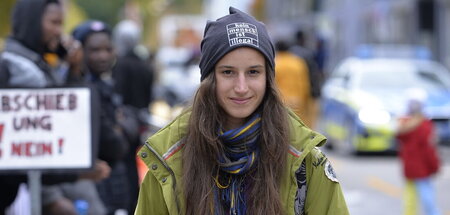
{"points": [[240, 152]]}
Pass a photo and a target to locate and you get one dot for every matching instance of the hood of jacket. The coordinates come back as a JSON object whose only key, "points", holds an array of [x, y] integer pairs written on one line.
{"points": [[27, 23]]}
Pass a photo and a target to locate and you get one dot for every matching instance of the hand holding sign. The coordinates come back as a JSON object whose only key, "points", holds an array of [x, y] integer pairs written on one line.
{"points": [[100, 171]]}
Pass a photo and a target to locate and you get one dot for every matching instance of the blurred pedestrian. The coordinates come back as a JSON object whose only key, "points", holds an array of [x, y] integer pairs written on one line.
{"points": [[321, 56], [418, 154], [133, 77], [37, 31], [118, 127], [237, 149], [133, 73], [292, 79], [301, 49]]}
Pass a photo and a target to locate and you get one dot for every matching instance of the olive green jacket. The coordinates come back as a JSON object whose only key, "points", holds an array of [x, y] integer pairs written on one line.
{"points": [[161, 191]]}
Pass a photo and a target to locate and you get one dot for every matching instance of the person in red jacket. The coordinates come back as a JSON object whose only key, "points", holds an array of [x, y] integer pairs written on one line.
{"points": [[418, 155]]}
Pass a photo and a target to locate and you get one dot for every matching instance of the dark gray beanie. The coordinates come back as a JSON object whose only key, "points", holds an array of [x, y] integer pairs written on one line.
{"points": [[232, 31]]}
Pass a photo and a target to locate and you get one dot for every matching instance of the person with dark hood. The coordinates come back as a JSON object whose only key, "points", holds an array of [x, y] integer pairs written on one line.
{"points": [[133, 78], [37, 30], [117, 128], [237, 149]]}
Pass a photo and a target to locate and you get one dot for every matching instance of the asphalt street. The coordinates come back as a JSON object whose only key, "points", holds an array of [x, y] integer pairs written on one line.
{"points": [[373, 184]]}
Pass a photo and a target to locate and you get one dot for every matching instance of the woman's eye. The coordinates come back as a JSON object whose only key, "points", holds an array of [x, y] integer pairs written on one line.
{"points": [[227, 72], [253, 72]]}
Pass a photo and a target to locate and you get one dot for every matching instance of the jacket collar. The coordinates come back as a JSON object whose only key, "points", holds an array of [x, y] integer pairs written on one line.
{"points": [[167, 142]]}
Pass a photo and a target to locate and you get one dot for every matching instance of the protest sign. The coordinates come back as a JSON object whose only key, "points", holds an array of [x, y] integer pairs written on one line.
{"points": [[45, 129]]}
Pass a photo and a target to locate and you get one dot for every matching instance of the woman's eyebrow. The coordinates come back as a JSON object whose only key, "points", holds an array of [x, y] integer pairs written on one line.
{"points": [[256, 66], [231, 67], [225, 66]]}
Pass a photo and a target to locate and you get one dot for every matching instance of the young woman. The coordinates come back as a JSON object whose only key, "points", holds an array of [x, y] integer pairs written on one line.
{"points": [[237, 149]]}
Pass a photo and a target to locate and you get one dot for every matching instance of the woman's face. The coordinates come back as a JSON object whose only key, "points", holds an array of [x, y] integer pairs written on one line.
{"points": [[240, 84], [52, 21]]}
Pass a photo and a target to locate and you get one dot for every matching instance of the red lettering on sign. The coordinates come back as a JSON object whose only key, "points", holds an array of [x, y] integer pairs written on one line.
{"points": [[1, 131], [31, 149], [60, 145]]}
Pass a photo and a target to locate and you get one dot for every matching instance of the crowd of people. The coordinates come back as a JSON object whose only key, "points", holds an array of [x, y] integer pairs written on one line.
{"points": [[111, 64], [38, 55], [239, 119]]}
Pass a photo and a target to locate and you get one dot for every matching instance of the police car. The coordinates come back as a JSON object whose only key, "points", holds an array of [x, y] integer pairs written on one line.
{"points": [[365, 94]]}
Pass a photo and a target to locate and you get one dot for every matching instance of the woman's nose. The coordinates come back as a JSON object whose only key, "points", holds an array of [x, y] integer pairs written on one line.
{"points": [[241, 85]]}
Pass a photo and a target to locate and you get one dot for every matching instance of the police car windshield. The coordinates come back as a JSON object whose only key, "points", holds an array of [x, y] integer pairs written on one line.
{"points": [[397, 79]]}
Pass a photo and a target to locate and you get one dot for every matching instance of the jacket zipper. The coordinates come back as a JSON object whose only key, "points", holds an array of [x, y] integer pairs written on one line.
{"points": [[170, 171]]}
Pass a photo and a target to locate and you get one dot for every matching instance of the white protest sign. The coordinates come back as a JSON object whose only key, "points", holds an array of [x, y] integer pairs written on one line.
{"points": [[45, 129]]}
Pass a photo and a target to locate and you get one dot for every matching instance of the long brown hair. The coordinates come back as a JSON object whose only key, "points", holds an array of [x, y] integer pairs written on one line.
{"points": [[202, 147]]}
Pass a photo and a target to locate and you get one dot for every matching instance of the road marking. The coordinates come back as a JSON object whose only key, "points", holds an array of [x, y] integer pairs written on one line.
{"points": [[384, 186]]}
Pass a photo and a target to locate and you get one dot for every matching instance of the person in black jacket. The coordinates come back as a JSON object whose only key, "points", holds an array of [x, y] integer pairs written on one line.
{"points": [[117, 129], [133, 77], [133, 73]]}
